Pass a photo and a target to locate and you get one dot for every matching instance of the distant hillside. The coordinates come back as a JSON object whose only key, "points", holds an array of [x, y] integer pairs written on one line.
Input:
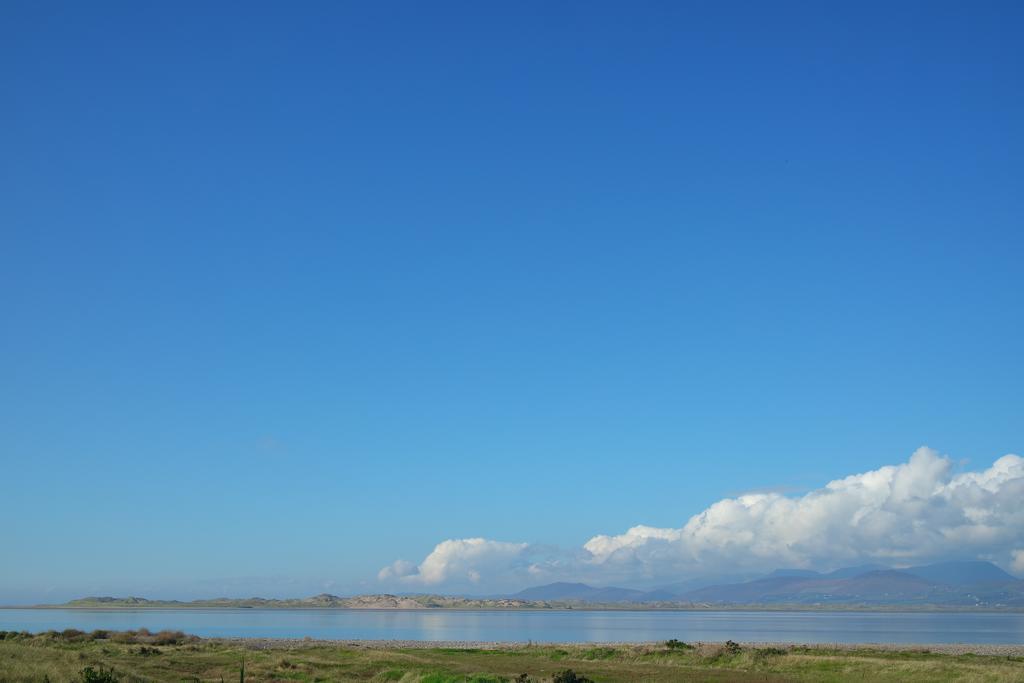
{"points": [[952, 584], [120, 602], [324, 600], [962, 584], [683, 587], [961, 573], [844, 573], [569, 592], [849, 572], [956, 585], [803, 573], [581, 592], [872, 586]]}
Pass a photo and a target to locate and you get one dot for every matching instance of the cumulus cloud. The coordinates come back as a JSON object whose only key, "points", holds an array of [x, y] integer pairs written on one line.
{"points": [[458, 560], [397, 570], [917, 511], [1018, 560]]}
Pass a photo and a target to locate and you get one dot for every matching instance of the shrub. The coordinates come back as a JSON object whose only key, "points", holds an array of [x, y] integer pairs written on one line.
{"points": [[171, 638], [99, 634], [91, 675], [72, 634], [732, 648], [674, 644], [763, 654], [570, 676]]}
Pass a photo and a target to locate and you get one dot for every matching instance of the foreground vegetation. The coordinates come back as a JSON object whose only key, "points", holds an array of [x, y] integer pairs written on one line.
{"points": [[104, 657]]}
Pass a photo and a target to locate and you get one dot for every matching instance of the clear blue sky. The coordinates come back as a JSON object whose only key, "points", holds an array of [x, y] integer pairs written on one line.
{"points": [[291, 291]]}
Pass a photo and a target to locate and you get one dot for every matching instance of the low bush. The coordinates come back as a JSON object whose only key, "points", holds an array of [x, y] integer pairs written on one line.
{"points": [[101, 675], [171, 638], [146, 637]]}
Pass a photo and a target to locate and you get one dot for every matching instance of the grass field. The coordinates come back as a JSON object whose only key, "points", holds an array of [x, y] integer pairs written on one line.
{"points": [[74, 656]]}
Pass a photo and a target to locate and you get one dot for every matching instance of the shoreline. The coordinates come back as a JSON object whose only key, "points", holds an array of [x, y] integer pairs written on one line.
{"points": [[892, 609], [866, 647], [980, 649]]}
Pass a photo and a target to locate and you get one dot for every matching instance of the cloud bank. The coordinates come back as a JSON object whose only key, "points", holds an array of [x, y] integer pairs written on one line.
{"points": [[917, 511]]}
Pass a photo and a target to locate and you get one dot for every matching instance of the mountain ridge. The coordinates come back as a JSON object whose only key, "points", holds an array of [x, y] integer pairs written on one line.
{"points": [[957, 585]]}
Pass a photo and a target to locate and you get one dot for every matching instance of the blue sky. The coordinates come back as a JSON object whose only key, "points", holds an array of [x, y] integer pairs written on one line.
{"points": [[290, 292]]}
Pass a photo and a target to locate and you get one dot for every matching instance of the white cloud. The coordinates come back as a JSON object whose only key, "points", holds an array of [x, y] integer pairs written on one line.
{"points": [[917, 511], [1018, 560], [458, 560], [396, 570]]}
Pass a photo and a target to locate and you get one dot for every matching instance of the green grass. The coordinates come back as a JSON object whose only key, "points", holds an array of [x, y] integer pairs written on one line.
{"points": [[137, 658]]}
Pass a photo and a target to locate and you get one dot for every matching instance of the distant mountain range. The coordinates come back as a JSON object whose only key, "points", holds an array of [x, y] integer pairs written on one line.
{"points": [[954, 584], [581, 592], [324, 600]]}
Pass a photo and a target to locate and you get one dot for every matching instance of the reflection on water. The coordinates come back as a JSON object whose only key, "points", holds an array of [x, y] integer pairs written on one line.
{"points": [[543, 625]]}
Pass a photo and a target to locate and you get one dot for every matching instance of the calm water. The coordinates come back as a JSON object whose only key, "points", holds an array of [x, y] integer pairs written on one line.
{"points": [[543, 626]]}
